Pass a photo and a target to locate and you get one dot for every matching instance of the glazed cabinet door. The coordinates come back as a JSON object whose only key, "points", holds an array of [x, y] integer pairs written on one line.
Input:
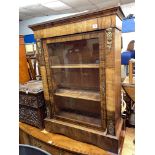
{"points": [[76, 77]]}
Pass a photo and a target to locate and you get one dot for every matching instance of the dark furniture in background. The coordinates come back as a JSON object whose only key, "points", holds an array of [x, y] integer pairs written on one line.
{"points": [[32, 109]]}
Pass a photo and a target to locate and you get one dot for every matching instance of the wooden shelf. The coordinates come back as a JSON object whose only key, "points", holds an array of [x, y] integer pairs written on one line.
{"points": [[79, 94], [91, 121], [76, 66]]}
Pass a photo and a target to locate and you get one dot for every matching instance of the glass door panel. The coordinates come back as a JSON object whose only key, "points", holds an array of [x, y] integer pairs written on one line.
{"points": [[75, 69]]}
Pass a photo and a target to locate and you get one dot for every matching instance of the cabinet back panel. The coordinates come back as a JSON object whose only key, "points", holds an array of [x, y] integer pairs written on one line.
{"points": [[85, 107], [79, 78]]}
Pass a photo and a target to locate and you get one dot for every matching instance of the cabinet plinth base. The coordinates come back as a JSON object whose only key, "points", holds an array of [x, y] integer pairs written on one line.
{"points": [[101, 139]]}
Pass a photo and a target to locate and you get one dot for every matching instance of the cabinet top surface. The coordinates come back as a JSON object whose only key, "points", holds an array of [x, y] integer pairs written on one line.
{"points": [[82, 16]]}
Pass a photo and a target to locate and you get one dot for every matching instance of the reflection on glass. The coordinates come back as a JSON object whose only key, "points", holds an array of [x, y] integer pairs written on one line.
{"points": [[74, 52], [75, 71], [75, 64]]}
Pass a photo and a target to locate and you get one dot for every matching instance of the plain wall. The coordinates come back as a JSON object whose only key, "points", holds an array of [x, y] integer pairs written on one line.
{"points": [[23, 25], [127, 37]]}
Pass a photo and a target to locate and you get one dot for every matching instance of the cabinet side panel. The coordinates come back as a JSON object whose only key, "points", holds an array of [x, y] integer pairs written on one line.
{"points": [[110, 100], [113, 76], [110, 73], [117, 77]]}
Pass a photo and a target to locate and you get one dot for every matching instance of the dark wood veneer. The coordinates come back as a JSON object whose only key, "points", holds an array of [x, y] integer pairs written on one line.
{"points": [[79, 55]]}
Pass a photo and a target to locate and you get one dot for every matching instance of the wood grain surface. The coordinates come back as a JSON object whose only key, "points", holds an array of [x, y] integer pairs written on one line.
{"points": [[75, 112], [59, 142], [23, 67]]}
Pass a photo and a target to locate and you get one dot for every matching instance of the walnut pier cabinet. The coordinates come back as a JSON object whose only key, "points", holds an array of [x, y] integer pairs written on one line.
{"points": [[81, 72]]}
